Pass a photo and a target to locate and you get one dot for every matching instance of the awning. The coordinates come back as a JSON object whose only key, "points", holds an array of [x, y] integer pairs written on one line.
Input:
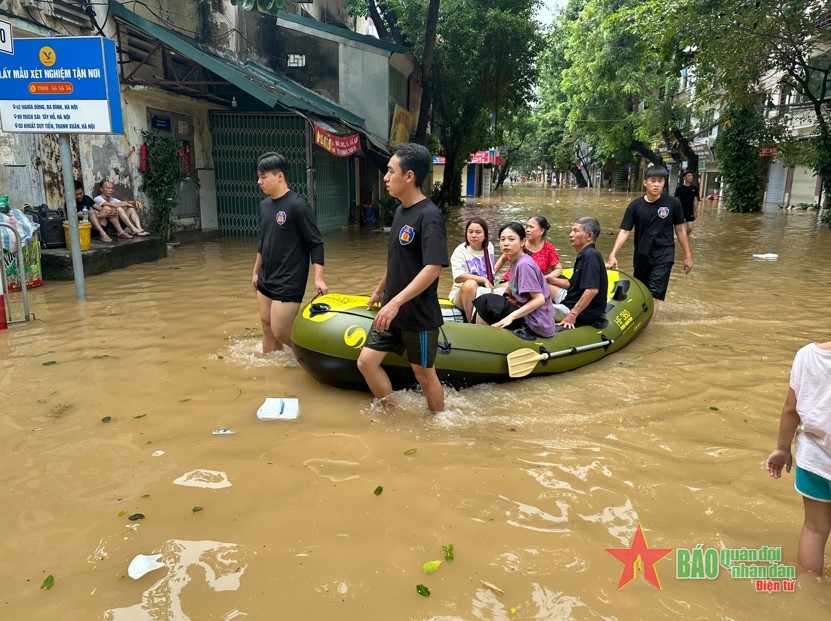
{"points": [[249, 77]]}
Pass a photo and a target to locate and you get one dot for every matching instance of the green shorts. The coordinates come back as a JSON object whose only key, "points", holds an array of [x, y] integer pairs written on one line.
{"points": [[812, 485], [421, 345]]}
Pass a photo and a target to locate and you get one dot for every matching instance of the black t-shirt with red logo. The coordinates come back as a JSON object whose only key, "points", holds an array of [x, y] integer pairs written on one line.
{"points": [[289, 237], [654, 225], [417, 238]]}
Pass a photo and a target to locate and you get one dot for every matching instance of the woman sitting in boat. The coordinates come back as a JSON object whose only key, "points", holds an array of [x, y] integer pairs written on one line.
{"points": [[542, 251], [472, 266], [527, 302]]}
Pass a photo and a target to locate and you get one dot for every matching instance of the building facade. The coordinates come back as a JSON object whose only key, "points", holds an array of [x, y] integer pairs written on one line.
{"points": [[228, 85]]}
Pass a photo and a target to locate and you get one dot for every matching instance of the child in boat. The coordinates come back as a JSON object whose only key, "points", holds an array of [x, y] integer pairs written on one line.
{"points": [[807, 414], [527, 302], [472, 266]]}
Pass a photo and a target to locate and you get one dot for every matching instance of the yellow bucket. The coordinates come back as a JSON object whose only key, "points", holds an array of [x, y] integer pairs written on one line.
{"points": [[84, 231]]}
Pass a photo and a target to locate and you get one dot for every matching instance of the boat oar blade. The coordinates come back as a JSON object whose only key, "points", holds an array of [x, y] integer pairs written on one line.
{"points": [[522, 361]]}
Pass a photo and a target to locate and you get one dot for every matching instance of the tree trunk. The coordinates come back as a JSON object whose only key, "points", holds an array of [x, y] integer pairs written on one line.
{"points": [[502, 173], [642, 149], [427, 71]]}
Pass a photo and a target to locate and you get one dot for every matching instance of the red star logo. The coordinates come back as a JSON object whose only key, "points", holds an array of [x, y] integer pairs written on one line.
{"points": [[639, 557]]}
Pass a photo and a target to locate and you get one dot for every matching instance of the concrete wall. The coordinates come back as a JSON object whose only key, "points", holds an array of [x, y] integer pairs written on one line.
{"points": [[364, 87]]}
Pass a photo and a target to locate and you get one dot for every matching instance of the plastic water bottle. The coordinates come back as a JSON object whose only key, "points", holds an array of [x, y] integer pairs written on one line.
{"points": [[85, 211]]}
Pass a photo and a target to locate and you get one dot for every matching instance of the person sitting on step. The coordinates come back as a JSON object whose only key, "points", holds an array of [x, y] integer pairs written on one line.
{"points": [[126, 210]]}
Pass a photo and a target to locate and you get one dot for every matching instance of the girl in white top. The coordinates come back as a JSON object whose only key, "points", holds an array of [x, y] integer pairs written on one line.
{"points": [[472, 266], [807, 414]]}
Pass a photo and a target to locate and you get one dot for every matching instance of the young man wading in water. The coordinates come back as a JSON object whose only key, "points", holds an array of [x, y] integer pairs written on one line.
{"points": [[654, 217], [410, 316], [288, 238]]}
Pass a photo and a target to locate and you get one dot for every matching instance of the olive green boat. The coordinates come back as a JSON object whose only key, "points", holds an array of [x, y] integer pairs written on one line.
{"points": [[328, 335]]}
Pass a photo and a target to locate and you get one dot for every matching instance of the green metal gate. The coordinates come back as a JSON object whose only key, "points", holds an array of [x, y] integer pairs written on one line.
{"points": [[331, 190], [238, 140]]}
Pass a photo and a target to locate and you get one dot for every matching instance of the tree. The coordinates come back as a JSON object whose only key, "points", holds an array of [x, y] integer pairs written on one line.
{"points": [[740, 48], [483, 68], [738, 153], [607, 88], [485, 71]]}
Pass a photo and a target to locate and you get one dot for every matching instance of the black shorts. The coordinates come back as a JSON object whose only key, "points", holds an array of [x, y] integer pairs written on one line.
{"points": [[492, 307], [689, 217], [421, 345], [655, 277], [279, 297]]}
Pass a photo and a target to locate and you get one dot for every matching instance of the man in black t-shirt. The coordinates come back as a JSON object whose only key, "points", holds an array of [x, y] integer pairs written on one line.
{"points": [[654, 216], [410, 316], [584, 301], [687, 194], [289, 238]]}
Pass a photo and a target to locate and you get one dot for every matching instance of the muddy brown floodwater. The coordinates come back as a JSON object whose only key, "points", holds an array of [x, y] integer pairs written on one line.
{"points": [[529, 481]]}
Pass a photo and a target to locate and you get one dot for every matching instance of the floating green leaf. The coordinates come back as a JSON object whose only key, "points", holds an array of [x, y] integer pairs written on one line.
{"points": [[448, 553], [290, 365], [48, 582], [422, 590], [378, 490], [196, 509], [122, 513], [106, 419], [140, 416], [49, 363], [41, 401], [714, 408], [410, 451], [136, 516], [430, 566]]}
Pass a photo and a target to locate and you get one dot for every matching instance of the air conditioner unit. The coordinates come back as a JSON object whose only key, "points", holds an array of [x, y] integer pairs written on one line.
{"points": [[710, 141]]}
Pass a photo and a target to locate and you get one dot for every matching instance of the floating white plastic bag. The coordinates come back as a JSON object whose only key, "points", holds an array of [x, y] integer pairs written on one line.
{"points": [[144, 564], [767, 256], [279, 409]]}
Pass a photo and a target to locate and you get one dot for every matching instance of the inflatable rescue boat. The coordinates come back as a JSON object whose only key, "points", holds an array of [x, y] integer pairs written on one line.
{"points": [[328, 335]]}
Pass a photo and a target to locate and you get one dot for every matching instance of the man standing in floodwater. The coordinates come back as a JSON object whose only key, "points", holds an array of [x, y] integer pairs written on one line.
{"points": [[687, 194], [410, 316], [654, 217], [289, 237]]}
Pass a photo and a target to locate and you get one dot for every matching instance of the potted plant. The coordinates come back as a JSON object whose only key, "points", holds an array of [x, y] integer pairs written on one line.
{"points": [[161, 179]]}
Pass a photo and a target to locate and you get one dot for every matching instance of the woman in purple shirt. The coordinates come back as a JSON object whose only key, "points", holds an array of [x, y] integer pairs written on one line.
{"points": [[527, 302]]}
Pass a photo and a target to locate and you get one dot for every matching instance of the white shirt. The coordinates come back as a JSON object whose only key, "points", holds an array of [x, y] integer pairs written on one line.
{"points": [[465, 260], [811, 381]]}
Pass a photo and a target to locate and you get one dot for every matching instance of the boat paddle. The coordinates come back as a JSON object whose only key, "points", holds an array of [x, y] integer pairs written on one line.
{"points": [[522, 361]]}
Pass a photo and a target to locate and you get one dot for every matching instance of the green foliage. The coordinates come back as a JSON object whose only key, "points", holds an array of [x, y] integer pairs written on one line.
{"points": [[825, 218], [737, 149], [737, 48], [386, 208], [601, 85], [161, 182], [263, 6], [485, 70]]}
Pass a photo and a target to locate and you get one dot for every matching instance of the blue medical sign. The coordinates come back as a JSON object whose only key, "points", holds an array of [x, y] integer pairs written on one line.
{"points": [[61, 85]]}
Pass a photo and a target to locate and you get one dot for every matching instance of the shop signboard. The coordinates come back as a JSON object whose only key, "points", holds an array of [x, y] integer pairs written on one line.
{"points": [[60, 85]]}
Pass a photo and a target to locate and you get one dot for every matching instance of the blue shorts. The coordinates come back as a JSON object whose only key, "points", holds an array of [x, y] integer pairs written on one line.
{"points": [[421, 345], [812, 485]]}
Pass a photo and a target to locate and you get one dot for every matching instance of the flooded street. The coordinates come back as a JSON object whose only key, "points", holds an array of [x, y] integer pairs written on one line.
{"points": [[530, 481]]}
